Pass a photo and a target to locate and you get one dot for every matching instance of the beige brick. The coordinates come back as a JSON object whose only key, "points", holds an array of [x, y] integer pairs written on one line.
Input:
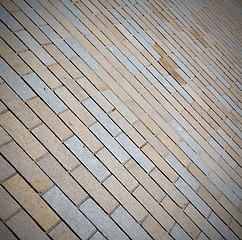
{"points": [[95, 189], [26, 167], [9, 5], [169, 188], [21, 135], [233, 154], [55, 146], [62, 232], [18, 107], [81, 131], [62, 179], [75, 106], [154, 208], [154, 229], [4, 136], [3, 108], [117, 169], [200, 221], [8, 205], [125, 198], [145, 180], [39, 68], [49, 118], [31, 202]]}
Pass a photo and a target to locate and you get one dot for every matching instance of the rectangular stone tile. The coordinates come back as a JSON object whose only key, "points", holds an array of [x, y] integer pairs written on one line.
{"points": [[97, 236], [226, 84], [69, 213], [221, 227], [4, 137], [193, 197], [233, 127], [95, 189], [117, 169], [154, 208], [128, 224], [49, 118], [233, 104], [7, 204], [21, 135], [6, 169], [62, 232], [178, 233], [25, 228], [31, 202], [125, 198], [195, 158], [101, 220], [15, 82], [110, 142], [62, 179], [135, 152], [101, 116], [5, 232], [74, 105], [39, 69], [75, 10], [26, 167], [45, 93], [10, 6], [224, 189], [236, 228], [235, 188], [20, 109], [81, 131], [182, 171], [34, 46], [202, 236], [87, 158]]}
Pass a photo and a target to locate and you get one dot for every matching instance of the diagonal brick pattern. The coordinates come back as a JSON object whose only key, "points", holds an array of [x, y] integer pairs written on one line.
{"points": [[120, 119]]}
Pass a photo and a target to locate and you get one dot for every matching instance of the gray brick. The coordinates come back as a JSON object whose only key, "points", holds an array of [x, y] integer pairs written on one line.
{"points": [[147, 46], [193, 197], [235, 188], [135, 152], [221, 227], [143, 5], [101, 220], [239, 85], [57, 40], [29, 12], [129, 225], [202, 236], [33, 3], [142, 69], [15, 82], [72, 18], [109, 142], [178, 233], [128, 26], [233, 127], [232, 104], [182, 171], [185, 136], [124, 60], [35, 47], [225, 83], [239, 68], [181, 19], [86, 157], [224, 189], [97, 236], [102, 117], [162, 24], [84, 55], [76, 11], [116, 14], [133, 8], [69, 213], [222, 153], [25, 228], [5, 233], [161, 79], [45, 93], [195, 158], [9, 20]]}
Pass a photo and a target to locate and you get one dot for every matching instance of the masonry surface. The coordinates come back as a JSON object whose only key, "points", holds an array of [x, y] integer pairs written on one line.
{"points": [[120, 119]]}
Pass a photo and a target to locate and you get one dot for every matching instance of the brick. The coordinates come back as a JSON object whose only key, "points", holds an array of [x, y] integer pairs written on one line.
{"points": [[26, 167], [10, 6], [25, 228], [62, 179], [202, 223], [236, 228], [69, 213], [6, 233], [101, 116], [128, 224], [117, 169], [6, 170], [94, 189], [62, 232], [97, 236], [81, 131], [193, 197], [21, 135], [178, 233], [4, 137], [31, 202], [101, 220]]}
